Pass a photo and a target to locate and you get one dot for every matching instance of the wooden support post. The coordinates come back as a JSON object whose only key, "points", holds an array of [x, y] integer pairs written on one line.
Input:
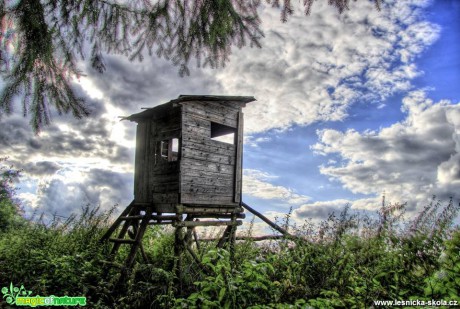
{"points": [[232, 240], [195, 235], [266, 220], [122, 233], [225, 237], [117, 222], [178, 248], [139, 236]]}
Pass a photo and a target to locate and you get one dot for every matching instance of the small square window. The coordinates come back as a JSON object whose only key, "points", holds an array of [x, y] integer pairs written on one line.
{"points": [[222, 133], [170, 149]]}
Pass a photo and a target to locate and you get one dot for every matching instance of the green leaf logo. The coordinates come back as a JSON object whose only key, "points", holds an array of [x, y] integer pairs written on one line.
{"points": [[10, 294]]}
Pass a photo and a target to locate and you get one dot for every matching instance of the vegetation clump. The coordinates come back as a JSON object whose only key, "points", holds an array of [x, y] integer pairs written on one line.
{"points": [[348, 261]]}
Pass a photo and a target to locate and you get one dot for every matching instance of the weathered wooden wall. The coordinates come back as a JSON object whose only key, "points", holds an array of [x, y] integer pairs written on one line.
{"points": [[157, 180], [207, 172], [207, 166]]}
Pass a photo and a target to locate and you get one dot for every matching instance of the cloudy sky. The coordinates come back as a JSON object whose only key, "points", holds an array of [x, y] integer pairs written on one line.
{"points": [[348, 107]]}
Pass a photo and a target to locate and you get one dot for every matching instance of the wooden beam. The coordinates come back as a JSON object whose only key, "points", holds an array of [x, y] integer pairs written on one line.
{"points": [[153, 217], [206, 223], [185, 209], [117, 222], [253, 238], [266, 220], [220, 216]]}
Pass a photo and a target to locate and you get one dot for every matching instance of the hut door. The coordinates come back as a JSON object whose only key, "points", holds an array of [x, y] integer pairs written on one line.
{"points": [[164, 179]]}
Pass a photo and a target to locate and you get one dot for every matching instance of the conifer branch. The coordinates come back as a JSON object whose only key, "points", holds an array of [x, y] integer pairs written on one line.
{"points": [[40, 41]]}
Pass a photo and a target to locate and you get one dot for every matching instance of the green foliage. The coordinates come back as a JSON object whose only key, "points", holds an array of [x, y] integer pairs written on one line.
{"points": [[349, 262], [10, 213], [40, 41], [59, 258], [445, 282], [227, 287]]}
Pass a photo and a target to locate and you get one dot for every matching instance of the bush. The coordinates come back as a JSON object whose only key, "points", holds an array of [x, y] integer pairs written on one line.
{"points": [[10, 212], [348, 261]]}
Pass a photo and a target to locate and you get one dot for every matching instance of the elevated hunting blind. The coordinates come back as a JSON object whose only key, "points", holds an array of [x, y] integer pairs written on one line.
{"points": [[188, 173], [189, 152]]}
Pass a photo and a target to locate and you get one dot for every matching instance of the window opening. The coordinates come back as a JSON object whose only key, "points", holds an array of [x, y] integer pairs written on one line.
{"points": [[222, 133], [170, 149]]}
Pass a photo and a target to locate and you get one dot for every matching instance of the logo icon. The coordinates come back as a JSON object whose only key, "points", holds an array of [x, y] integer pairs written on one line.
{"points": [[13, 292], [19, 296]]}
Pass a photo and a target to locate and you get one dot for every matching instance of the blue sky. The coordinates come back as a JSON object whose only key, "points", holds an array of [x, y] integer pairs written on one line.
{"points": [[290, 159], [348, 107]]}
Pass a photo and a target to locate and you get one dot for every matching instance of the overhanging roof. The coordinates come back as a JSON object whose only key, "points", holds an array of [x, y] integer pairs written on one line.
{"points": [[163, 108]]}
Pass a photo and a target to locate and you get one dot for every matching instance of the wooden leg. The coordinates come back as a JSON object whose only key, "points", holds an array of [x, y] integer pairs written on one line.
{"points": [[123, 231], [139, 236], [224, 237], [178, 249], [117, 222], [195, 236]]}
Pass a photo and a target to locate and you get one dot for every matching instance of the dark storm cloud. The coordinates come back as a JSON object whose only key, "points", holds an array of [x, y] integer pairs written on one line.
{"points": [[42, 168], [86, 137], [114, 180], [14, 130], [132, 85], [98, 187]]}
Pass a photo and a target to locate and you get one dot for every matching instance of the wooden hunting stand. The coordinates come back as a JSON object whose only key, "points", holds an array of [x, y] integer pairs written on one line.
{"points": [[188, 172]]}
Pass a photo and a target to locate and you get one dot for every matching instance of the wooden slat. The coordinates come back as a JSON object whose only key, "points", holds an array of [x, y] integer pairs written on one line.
{"points": [[222, 107], [165, 134], [211, 199], [196, 154], [164, 178], [139, 160], [239, 159], [190, 120], [147, 160], [142, 161], [212, 167], [228, 119], [153, 217], [188, 130], [266, 220], [204, 108], [165, 197], [213, 179], [209, 145], [252, 238], [207, 223], [164, 167], [163, 187], [220, 216], [206, 189], [206, 209]]}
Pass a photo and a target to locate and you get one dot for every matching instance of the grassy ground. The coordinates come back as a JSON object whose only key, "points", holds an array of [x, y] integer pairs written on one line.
{"points": [[348, 261]]}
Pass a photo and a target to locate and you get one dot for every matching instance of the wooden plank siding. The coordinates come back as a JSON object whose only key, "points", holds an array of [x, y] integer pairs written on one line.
{"points": [[142, 160], [139, 161], [207, 199], [163, 182], [211, 112], [207, 166], [207, 172]]}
